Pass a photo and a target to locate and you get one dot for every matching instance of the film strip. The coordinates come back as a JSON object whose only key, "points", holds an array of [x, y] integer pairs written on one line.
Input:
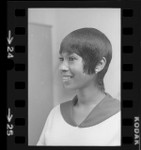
{"points": [[17, 70]]}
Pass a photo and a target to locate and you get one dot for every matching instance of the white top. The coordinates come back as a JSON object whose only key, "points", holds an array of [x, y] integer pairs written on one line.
{"points": [[57, 132]]}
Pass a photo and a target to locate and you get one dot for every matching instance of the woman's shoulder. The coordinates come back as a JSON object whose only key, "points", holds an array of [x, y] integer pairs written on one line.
{"points": [[66, 106], [59, 108], [55, 109], [111, 103]]}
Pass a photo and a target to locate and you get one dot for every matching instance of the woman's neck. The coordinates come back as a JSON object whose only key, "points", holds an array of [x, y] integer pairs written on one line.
{"points": [[89, 96]]}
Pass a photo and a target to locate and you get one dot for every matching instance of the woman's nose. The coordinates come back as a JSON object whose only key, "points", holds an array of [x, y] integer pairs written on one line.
{"points": [[63, 67]]}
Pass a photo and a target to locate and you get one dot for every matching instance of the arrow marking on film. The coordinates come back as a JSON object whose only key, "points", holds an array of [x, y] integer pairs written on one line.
{"points": [[9, 38], [9, 116]]}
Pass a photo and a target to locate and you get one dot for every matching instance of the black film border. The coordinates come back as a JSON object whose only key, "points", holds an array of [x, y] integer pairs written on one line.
{"points": [[17, 69]]}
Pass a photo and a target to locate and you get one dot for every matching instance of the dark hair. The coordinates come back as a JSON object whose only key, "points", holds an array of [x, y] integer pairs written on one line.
{"points": [[92, 45]]}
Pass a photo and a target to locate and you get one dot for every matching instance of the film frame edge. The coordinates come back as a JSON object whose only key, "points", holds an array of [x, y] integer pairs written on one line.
{"points": [[17, 35]]}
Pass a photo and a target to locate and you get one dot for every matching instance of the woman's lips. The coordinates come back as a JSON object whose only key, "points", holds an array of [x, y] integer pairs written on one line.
{"points": [[67, 77]]}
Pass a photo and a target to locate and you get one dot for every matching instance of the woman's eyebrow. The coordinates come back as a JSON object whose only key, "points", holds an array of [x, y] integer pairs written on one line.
{"points": [[73, 55], [68, 55], [65, 55]]}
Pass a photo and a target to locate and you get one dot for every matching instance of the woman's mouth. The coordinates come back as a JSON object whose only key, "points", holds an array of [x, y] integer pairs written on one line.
{"points": [[66, 78]]}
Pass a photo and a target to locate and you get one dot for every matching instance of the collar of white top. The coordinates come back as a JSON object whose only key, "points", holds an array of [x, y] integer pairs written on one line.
{"points": [[104, 110]]}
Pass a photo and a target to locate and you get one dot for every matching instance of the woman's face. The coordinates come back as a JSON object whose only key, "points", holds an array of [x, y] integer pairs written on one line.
{"points": [[71, 69]]}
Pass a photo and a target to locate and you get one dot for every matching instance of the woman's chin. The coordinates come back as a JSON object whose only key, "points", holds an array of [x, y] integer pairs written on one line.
{"points": [[69, 86]]}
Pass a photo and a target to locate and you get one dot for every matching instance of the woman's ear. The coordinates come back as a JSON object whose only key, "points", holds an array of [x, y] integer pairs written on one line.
{"points": [[100, 66]]}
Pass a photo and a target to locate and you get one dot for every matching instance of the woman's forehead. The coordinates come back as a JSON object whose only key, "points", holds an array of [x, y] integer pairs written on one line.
{"points": [[66, 54], [67, 49]]}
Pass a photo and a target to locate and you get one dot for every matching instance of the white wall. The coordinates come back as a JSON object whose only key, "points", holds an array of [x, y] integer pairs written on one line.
{"points": [[40, 91], [46, 17]]}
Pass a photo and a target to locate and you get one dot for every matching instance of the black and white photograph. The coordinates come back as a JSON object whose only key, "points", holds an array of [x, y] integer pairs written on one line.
{"points": [[74, 77]]}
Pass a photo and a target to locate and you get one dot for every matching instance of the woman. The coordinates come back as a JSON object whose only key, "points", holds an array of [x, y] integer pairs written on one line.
{"points": [[92, 118]]}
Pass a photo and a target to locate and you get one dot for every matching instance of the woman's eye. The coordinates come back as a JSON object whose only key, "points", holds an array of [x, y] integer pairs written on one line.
{"points": [[61, 58], [71, 58]]}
